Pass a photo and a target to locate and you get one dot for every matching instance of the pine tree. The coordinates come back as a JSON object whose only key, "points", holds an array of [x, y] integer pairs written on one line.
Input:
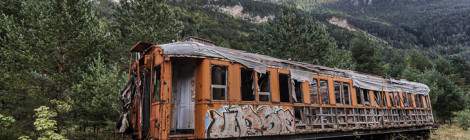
{"points": [[365, 56], [293, 35], [44, 44], [95, 98], [147, 20]]}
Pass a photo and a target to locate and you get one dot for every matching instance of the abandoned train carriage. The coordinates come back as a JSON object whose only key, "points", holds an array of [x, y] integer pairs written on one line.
{"points": [[194, 89]]}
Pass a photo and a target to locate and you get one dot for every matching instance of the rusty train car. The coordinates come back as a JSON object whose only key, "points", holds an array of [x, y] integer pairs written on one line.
{"points": [[193, 89]]}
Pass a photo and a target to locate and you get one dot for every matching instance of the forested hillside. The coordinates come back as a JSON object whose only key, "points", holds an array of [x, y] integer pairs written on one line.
{"points": [[63, 62]]}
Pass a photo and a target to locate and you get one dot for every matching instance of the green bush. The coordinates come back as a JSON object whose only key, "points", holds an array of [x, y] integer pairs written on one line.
{"points": [[463, 118]]}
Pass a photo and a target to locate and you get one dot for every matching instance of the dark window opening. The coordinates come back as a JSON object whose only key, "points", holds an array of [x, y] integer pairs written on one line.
{"points": [[284, 87], [418, 101], [263, 87], [337, 86], [365, 93], [324, 92], [358, 95], [219, 82], [156, 84], [409, 100], [247, 85], [346, 94], [384, 99], [298, 92], [314, 92], [298, 113]]}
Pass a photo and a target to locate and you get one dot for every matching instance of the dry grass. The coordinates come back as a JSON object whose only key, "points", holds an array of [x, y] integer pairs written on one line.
{"points": [[450, 132]]}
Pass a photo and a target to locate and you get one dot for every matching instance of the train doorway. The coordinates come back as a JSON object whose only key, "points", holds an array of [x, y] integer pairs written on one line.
{"points": [[182, 96]]}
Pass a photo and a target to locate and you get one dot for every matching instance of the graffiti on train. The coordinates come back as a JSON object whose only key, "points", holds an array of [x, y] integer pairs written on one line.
{"points": [[247, 120]]}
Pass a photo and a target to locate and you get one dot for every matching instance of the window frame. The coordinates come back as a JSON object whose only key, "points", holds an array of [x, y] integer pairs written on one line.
{"points": [[317, 88], [253, 86], [289, 87], [342, 94], [157, 76], [225, 87], [327, 91], [300, 89], [258, 89], [378, 98]]}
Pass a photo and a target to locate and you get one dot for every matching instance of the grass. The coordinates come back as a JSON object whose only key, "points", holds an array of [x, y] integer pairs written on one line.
{"points": [[450, 132]]}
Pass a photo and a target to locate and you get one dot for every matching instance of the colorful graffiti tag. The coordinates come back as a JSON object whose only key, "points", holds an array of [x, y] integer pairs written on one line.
{"points": [[246, 120]]}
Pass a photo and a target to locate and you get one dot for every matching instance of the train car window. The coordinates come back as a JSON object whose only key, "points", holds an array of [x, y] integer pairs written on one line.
{"points": [[298, 92], [284, 83], [428, 102], [337, 86], [314, 92], [384, 98], [417, 101], [378, 98], [263, 87], [392, 99], [365, 94], [406, 99], [346, 94], [156, 84], [396, 99], [219, 82], [247, 86], [425, 101], [324, 92], [358, 95]]}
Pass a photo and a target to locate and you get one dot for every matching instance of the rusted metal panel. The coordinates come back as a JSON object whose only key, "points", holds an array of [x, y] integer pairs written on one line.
{"points": [[274, 85], [203, 81], [331, 91], [306, 92], [353, 94], [164, 122], [234, 84]]}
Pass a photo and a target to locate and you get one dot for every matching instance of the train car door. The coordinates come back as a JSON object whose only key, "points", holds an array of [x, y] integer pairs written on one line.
{"points": [[182, 96]]}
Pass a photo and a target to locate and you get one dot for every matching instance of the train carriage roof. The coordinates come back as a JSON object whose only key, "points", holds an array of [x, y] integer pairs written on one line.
{"points": [[298, 70]]}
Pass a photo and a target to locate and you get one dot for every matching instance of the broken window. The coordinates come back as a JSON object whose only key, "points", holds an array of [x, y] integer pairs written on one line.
{"points": [[384, 98], [365, 93], [342, 93], [298, 92], [247, 85], [378, 98], [358, 95], [337, 86], [324, 91], [346, 94], [428, 102], [314, 92], [219, 82], [284, 87], [418, 101], [396, 99], [263, 87], [156, 84], [406, 101]]}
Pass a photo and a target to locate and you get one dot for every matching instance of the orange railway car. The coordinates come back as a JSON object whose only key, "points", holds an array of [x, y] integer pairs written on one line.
{"points": [[193, 89]]}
